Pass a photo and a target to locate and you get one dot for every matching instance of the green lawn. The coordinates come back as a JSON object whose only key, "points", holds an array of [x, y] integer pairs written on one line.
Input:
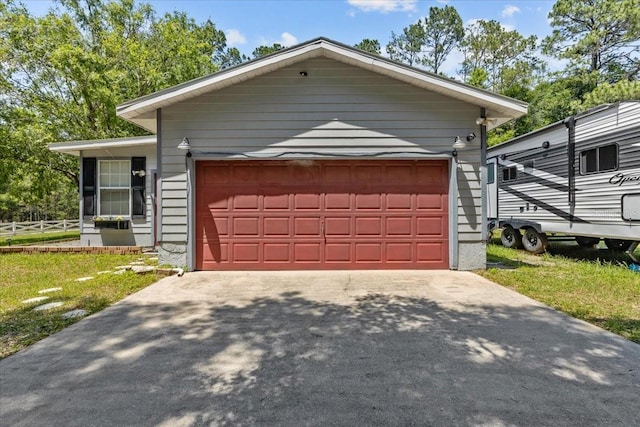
{"points": [[29, 239], [589, 284], [23, 275]]}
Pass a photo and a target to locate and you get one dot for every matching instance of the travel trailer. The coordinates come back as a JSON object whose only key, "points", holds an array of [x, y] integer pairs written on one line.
{"points": [[578, 177]]}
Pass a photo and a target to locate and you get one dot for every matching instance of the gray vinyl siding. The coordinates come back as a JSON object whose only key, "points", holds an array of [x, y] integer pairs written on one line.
{"points": [[140, 231], [337, 111]]}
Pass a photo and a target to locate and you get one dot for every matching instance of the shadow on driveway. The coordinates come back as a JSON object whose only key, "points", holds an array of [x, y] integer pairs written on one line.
{"points": [[410, 348]]}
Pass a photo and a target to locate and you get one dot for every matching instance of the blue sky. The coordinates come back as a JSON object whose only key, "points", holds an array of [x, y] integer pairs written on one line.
{"points": [[251, 23]]}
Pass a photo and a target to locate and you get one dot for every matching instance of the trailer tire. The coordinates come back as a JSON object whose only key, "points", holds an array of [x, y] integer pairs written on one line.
{"points": [[587, 242], [511, 238], [534, 242], [618, 244]]}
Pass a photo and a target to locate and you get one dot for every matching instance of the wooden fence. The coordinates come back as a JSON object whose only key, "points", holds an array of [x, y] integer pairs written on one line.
{"points": [[34, 227]]}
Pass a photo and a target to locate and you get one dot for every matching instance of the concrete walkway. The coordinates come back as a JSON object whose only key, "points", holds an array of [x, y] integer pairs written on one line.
{"points": [[324, 348]]}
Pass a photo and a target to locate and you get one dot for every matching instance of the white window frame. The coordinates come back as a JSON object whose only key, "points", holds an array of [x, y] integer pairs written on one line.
{"points": [[99, 188]]}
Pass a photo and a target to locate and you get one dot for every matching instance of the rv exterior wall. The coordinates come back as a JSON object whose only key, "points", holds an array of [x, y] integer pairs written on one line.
{"points": [[336, 111], [540, 193]]}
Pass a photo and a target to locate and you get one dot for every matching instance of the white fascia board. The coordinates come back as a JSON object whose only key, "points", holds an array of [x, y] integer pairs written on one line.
{"points": [[75, 147]]}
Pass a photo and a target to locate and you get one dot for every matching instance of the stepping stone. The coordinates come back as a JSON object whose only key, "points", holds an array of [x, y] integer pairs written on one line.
{"points": [[84, 279], [155, 258], [74, 313], [136, 263], [104, 272], [46, 291], [123, 267], [142, 269], [36, 299], [48, 306], [120, 272]]}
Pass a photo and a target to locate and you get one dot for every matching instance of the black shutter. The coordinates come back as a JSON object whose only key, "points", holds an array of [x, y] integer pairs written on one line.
{"points": [[89, 179], [138, 186]]}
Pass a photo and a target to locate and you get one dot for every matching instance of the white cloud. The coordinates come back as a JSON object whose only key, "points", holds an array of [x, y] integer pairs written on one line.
{"points": [[384, 6], [287, 39], [510, 10], [507, 27], [235, 37], [443, 1]]}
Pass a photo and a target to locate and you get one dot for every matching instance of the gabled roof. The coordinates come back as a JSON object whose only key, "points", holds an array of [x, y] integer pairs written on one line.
{"points": [[141, 111], [75, 147]]}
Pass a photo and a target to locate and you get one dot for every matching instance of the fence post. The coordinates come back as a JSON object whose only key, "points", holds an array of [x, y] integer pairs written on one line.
{"points": [[64, 225], [41, 226], [13, 228]]}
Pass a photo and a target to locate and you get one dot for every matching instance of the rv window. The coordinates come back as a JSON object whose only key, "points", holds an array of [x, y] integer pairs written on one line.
{"points": [[600, 159], [509, 174], [491, 173]]}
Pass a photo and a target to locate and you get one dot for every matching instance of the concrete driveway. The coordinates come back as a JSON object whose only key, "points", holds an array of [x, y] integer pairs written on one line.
{"points": [[324, 348]]}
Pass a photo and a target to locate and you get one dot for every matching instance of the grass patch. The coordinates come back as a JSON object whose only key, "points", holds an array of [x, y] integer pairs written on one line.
{"points": [[23, 275], [29, 239], [594, 285]]}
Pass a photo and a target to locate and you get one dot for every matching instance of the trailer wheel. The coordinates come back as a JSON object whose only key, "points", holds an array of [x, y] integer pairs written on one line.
{"points": [[617, 244], [534, 242], [587, 242], [511, 238]]}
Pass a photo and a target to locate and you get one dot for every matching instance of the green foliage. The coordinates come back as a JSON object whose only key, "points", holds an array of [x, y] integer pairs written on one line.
{"points": [[261, 51], [369, 45], [592, 285], [597, 35], [29, 239], [605, 93], [506, 58], [430, 41], [23, 275], [63, 75]]}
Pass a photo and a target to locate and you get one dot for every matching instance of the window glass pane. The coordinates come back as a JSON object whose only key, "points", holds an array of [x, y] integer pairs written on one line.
{"points": [[491, 173], [608, 157], [114, 202], [589, 161], [114, 182]]}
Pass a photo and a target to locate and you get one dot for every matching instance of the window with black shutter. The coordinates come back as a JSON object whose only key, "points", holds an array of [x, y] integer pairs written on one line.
{"points": [[89, 177], [138, 187]]}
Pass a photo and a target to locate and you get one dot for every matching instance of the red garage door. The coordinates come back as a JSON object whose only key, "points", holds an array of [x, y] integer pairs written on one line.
{"points": [[296, 215]]}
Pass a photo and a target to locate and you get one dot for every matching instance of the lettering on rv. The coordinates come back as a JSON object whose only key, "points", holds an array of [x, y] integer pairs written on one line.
{"points": [[620, 178]]}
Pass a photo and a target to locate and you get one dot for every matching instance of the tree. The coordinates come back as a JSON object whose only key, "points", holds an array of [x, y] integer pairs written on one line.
{"points": [[63, 74], [507, 57], [369, 45], [597, 36], [406, 47], [264, 50], [443, 31], [428, 42]]}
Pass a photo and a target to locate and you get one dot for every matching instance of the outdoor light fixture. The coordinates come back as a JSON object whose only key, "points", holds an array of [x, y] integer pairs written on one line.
{"points": [[185, 145], [485, 121], [471, 137], [304, 73], [546, 144], [458, 143], [141, 173]]}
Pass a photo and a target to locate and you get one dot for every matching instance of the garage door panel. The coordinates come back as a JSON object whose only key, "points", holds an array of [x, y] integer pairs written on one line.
{"points": [[400, 252], [368, 227], [323, 214], [246, 202], [277, 202], [368, 252], [276, 252], [337, 226], [430, 226], [277, 227], [306, 202], [307, 252]]}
